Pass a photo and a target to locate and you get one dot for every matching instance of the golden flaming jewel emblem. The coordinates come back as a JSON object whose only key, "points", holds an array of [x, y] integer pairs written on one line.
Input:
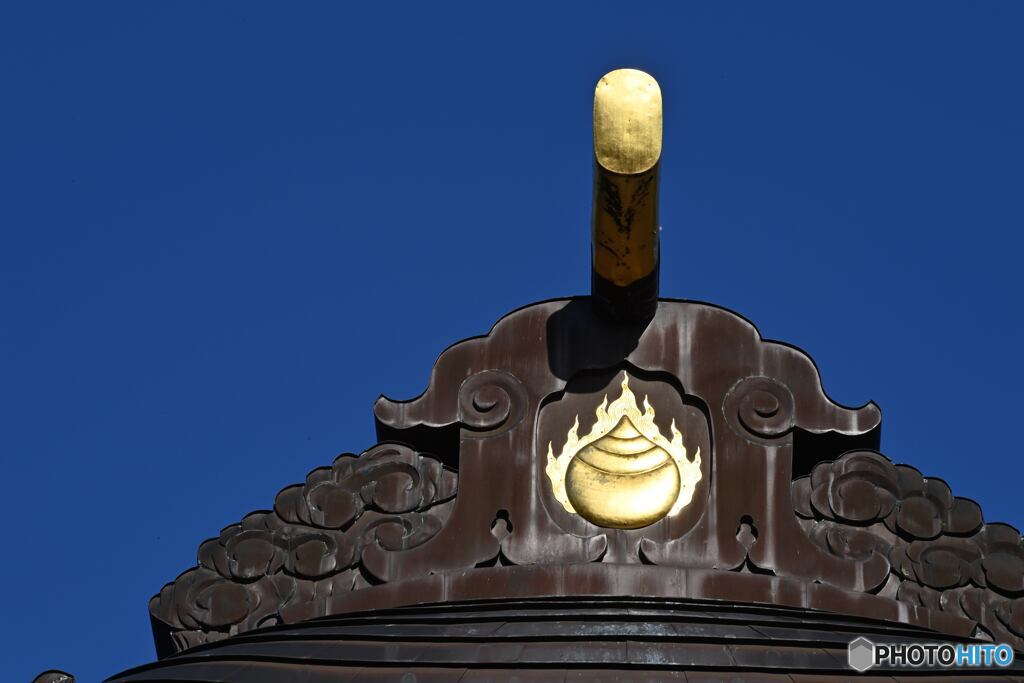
{"points": [[624, 474]]}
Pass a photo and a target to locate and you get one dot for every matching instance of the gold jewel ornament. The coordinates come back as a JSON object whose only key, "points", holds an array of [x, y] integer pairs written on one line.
{"points": [[624, 474]]}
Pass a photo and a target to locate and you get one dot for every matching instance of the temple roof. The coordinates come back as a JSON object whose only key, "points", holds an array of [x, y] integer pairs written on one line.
{"points": [[446, 546]]}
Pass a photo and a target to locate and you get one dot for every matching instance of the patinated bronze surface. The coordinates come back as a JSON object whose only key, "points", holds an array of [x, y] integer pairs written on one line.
{"points": [[793, 508], [550, 640]]}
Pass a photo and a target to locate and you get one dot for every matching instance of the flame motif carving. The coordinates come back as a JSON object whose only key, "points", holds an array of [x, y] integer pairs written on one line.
{"points": [[624, 474]]}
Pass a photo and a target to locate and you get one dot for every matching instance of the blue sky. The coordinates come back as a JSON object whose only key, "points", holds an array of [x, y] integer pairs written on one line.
{"points": [[226, 228]]}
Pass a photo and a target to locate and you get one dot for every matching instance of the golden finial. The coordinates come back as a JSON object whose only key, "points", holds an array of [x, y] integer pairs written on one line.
{"points": [[627, 151]]}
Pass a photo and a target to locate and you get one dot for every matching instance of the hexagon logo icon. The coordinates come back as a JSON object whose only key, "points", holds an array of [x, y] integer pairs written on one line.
{"points": [[861, 654]]}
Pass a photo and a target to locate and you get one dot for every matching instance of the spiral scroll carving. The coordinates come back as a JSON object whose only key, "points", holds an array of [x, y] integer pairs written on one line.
{"points": [[309, 546], [760, 409], [492, 402], [942, 554]]}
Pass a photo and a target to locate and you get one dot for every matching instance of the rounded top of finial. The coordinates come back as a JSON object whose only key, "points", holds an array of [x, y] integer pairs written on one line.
{"points": [[627, 121]]}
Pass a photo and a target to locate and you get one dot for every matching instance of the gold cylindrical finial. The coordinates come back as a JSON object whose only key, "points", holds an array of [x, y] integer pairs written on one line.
{"points": [[627, 151]]}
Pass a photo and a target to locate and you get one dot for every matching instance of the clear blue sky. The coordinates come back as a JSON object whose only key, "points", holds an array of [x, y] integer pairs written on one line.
{"points": [[225, 228]]}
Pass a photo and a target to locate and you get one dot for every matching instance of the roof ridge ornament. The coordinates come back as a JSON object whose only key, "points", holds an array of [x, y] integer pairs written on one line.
{"points": [[721, 473], [623, 474], [627, 162]]}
